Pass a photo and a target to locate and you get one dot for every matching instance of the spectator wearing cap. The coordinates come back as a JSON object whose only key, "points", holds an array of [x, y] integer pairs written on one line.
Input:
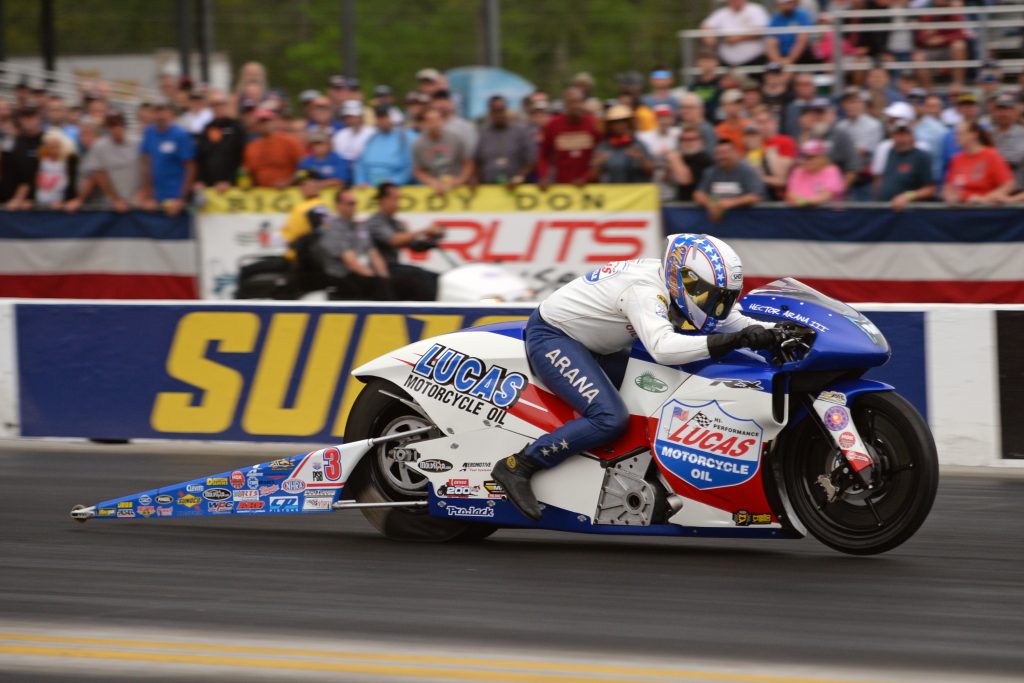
{"points": [[818, 123], [272, 158], [21, 161], [687, 163], [428, 80], [770, 154], [1008, 134], [390, 234], [660, 142], [585, 82], [197, 114], [537, 107], [895, 114], [220, 146], [789, 48], [743, 21], [692, 111], [775, 92], [968, 110], [384, 96], [441, 100], [815, 181], [907, 175], [387, 155], [728, 185], [441, 159], [353, 266], [977, 174], [168, 162], [113, 167], [506, 153], [733, 123], [804, 92], [332, 169], [706, 85], [415, 104], [348, 142], [620, 157], [631, 85], [661, 91], [337, 94], [941, 44], [865, 133], [568, 143], [320, 116]]}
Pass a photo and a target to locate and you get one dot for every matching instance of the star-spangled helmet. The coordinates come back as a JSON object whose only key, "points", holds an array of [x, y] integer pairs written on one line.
{"points": [[704, 278]]}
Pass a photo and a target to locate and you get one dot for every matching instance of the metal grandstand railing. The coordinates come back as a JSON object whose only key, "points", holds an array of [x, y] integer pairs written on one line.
{"points": [[124, 95], [995, 27]]}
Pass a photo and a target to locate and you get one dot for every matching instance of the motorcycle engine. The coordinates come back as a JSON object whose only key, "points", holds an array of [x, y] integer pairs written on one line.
{"points": [[626, 497]]}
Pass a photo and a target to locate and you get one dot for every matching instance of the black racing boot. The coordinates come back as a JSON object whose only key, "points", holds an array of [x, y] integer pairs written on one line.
{"points": [[513, 473]]}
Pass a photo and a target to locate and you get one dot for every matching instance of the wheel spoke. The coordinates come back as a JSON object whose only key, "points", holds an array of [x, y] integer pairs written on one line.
{"points": [[871, 506]]}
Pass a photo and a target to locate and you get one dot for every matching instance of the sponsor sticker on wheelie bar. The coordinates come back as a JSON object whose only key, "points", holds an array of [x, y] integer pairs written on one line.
{"points": [[707, 447]]}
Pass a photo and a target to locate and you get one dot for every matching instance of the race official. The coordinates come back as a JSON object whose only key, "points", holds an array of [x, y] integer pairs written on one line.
{"points": [[390, 234], [353, 267]]}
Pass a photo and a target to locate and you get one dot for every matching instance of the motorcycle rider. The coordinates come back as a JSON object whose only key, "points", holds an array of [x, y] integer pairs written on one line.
{"points": [[680, 307]]}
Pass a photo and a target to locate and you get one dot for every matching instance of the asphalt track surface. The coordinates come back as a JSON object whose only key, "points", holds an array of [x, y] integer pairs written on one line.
{"points": [[951, 600]]}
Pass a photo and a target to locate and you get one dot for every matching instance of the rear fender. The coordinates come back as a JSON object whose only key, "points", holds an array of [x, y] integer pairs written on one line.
{"points": [[299, 484]]}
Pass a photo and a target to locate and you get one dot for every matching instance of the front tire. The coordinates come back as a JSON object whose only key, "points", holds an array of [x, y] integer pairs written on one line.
{"points": [[380, 477], [863, 522]]}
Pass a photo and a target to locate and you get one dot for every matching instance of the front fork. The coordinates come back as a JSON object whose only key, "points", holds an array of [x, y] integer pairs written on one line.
{"points": [[853, 464]]}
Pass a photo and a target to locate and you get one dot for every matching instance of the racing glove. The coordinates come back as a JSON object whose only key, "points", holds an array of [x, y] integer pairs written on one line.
{"points": [[754, 337]]}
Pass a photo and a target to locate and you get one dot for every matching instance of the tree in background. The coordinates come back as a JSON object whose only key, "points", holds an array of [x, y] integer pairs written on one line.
{"points": [[545, 41]]}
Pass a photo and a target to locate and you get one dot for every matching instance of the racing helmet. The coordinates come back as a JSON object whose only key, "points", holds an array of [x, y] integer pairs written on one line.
{"points": [[704, 278]]}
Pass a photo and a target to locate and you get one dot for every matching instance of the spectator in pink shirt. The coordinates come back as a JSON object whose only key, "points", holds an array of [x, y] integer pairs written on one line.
{"points": [[816, 180]]}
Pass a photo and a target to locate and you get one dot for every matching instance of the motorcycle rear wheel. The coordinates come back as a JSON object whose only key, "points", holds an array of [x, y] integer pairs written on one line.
{"points": [[380, 478], [866, 522]]}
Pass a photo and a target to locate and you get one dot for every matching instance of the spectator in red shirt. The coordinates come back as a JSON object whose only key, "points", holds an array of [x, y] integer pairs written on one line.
{"points": [[272, 159], [977, 175], [568, 144]]}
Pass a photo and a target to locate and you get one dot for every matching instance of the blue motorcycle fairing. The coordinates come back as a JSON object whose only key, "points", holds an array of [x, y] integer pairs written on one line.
{"points": [[504, 514], [851, 388]]}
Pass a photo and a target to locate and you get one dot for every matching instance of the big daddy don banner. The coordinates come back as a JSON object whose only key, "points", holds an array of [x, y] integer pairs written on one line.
{"points": [[546, 236]]}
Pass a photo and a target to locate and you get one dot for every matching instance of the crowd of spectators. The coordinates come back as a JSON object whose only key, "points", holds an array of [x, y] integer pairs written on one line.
{"points": [[723, 140]]}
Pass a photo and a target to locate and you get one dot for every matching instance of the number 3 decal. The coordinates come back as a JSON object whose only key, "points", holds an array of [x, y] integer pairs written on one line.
{"points": [[332, 465]]}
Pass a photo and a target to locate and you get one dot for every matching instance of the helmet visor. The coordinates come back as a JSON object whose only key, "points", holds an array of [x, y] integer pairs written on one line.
{"points": [[715, 302]]}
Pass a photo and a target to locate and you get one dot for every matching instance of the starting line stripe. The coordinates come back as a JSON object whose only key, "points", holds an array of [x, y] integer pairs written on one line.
{"points": [[443, 667]]}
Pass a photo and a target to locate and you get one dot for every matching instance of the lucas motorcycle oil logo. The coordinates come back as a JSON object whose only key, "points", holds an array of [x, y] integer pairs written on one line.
{"points": [[707, 447], [461, 380]]}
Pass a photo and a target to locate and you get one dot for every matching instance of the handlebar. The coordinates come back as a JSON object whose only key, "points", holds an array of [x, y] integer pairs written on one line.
{"points": [[792, 342]]}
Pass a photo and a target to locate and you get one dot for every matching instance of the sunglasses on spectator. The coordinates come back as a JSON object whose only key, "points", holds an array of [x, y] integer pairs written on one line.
{"points": [[690, 138]]}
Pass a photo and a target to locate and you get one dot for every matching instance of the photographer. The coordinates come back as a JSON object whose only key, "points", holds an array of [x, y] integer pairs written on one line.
{"points": [[390, 234]]}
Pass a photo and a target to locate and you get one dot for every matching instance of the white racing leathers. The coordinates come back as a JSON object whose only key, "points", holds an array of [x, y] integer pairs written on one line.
{"points": [[601, 314], [610, 308]]}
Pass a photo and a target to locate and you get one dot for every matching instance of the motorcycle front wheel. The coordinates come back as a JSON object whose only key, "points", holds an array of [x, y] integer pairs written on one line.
{"points": [[862, 521], [384, 409]]}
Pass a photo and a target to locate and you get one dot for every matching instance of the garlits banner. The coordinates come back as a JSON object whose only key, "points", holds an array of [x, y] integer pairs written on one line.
{"points": [[96, 255], [934, 255], [548, 237]]}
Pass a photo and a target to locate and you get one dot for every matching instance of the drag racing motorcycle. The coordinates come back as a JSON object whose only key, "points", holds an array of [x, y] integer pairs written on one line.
{"points": [[778, 444]]}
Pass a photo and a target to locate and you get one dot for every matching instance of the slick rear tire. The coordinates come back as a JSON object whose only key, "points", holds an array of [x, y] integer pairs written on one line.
{"points": [[379, 478], [866, 522]]}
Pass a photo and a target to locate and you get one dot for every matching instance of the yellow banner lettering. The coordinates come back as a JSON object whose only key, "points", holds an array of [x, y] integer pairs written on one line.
{"points": [[265, 412], [175, 411]]}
